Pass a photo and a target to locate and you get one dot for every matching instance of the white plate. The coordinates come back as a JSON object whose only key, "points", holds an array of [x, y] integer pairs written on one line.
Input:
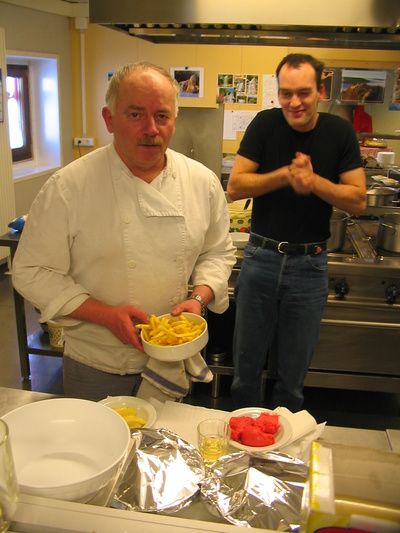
{"points": [[390, 182], [282, 436], [143, 409]]}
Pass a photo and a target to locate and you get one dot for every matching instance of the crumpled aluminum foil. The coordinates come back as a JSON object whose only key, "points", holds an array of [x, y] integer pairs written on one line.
{"points": [[165, 474], [162, 473], [257, 490]]}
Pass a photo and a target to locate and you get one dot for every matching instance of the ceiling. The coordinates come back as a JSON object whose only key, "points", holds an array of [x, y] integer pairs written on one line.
{"points": [[361, 24]]}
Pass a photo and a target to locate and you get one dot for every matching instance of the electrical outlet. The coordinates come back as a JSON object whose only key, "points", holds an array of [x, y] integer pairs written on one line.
{"points": [[83, 141]]}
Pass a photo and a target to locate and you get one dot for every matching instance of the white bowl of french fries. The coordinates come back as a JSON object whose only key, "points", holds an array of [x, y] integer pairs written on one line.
{"points": [[174, 338]]}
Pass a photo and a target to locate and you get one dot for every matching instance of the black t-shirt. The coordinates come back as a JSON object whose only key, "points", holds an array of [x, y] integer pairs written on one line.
{"points": [[283, 215]]}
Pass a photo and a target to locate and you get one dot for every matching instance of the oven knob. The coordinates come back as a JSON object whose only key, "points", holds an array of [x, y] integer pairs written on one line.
{"points": [[392, 292], [341, 289]]}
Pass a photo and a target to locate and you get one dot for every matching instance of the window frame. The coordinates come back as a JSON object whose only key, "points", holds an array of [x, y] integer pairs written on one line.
{"points": [[24, 152]]}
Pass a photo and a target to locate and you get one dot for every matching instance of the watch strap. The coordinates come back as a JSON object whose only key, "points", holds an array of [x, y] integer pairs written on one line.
{"points": [[201, 302]]}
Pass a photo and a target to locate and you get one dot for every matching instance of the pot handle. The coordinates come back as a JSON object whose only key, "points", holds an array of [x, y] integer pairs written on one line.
{"points": [[389, 226]]}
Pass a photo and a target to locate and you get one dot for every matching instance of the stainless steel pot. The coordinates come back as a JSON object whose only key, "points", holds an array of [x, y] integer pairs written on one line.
{"points": [[382, 196], [338, 226], [389, 232]]}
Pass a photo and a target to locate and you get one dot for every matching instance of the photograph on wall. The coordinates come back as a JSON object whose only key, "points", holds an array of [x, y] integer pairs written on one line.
{"points": [[396, 88], [1, 98], [363, 86], [327, 81], [225, 80], [190, 81], [252, 84], [237, 88]]}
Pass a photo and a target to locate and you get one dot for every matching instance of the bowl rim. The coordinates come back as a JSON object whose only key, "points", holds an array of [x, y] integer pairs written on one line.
{"points": [[175, 318]]}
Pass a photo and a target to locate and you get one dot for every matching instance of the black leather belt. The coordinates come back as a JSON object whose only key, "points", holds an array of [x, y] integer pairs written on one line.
{"points": [[313, 248]]}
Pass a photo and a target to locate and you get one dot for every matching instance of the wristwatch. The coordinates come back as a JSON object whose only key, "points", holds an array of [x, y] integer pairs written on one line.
{"points": [[201, 301]]}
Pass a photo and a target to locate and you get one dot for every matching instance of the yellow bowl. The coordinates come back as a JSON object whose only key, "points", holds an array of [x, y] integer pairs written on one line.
{"points": [[178, 352]]}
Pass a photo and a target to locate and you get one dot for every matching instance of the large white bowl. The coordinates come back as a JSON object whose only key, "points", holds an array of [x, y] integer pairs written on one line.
{"points": [[180, 351], [66, 448], [143, 409]]}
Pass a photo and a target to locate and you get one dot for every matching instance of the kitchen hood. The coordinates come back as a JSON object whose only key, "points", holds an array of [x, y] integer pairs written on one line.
{"points": [[364, 24]]}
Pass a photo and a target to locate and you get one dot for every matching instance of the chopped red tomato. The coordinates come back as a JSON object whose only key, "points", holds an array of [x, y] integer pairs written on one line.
{"points": [[258, 431], [254, 436]]}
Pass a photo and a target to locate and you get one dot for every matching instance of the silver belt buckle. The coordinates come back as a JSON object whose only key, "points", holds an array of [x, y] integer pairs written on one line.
{"points": [[279, 246]]}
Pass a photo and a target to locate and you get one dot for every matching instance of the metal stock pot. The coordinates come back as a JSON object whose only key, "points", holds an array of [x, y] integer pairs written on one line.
{"points": [[389, 232], [338, 226], [381, 196]]}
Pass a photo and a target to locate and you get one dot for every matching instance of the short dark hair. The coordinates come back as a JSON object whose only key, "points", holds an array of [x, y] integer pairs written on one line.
{"points": [[295, 60]]}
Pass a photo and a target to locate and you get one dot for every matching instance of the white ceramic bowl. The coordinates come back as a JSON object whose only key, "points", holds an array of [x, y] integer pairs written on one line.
{"points": [[180, 351], [143, 409], [282, 436], [240, 239], [66, 448]]}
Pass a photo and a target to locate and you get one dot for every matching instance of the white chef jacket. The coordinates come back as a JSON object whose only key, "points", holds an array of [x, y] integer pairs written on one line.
{"points": [[95, 230]]}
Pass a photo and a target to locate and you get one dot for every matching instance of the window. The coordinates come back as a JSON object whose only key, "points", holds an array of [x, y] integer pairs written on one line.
{"points": [[38, 77], [18, 112]]}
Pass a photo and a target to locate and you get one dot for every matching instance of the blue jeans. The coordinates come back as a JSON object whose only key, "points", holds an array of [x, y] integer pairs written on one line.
{"points": [[277, 296]]}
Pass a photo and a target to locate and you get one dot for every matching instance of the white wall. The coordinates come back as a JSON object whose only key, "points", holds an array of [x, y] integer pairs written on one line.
{"points": [[7, 207], [31, 31]]}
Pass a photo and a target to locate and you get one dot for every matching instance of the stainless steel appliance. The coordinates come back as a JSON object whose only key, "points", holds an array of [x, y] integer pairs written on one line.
{"points": [[359, 345]]}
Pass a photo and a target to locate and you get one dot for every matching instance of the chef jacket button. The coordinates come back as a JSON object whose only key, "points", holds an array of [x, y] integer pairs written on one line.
{"points": [[116, 175], [127, 219], [179, 260], [175, 300], [132, 264]]}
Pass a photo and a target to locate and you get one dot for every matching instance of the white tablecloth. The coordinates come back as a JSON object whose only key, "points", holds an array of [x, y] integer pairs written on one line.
{"points": [[183, 420]]}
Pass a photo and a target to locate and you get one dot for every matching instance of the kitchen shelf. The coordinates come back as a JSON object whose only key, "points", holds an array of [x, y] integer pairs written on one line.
{"points": [[388, 136], [37, 343]]}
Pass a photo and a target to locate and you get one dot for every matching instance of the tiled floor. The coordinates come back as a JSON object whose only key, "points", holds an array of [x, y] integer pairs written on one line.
{"points": [[369, 410]]}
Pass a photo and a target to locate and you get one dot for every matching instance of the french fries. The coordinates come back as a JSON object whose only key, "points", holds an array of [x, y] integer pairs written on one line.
{"points": [[130, 416], [166, 332]]}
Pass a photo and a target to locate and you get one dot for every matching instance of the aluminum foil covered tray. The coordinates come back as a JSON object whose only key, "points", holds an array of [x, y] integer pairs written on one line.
{"points": [[261, 491], [163, 474]]}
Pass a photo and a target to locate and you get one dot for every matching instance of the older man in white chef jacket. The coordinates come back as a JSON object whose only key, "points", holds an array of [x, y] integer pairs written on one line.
{"points": [[116, 235]]}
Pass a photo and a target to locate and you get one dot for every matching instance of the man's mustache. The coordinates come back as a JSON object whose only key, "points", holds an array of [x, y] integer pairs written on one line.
{"points": [[148, 142]]}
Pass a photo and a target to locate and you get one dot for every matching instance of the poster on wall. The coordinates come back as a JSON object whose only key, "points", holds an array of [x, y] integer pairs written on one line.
{"points": [[190, 81], [363, 86], [269, 92], [327, 81], [1, 97], [395, 100], [237, 88]]}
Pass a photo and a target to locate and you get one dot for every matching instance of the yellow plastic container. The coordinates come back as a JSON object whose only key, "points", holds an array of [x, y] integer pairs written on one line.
{"points": [[240, 218]]}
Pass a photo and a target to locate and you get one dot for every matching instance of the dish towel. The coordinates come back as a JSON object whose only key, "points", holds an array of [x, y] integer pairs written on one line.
{"points": [[362, 121], [163, 380]]}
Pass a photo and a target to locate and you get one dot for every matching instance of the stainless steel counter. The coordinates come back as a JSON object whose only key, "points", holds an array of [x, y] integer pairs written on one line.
{"points": [[34, 512]]}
